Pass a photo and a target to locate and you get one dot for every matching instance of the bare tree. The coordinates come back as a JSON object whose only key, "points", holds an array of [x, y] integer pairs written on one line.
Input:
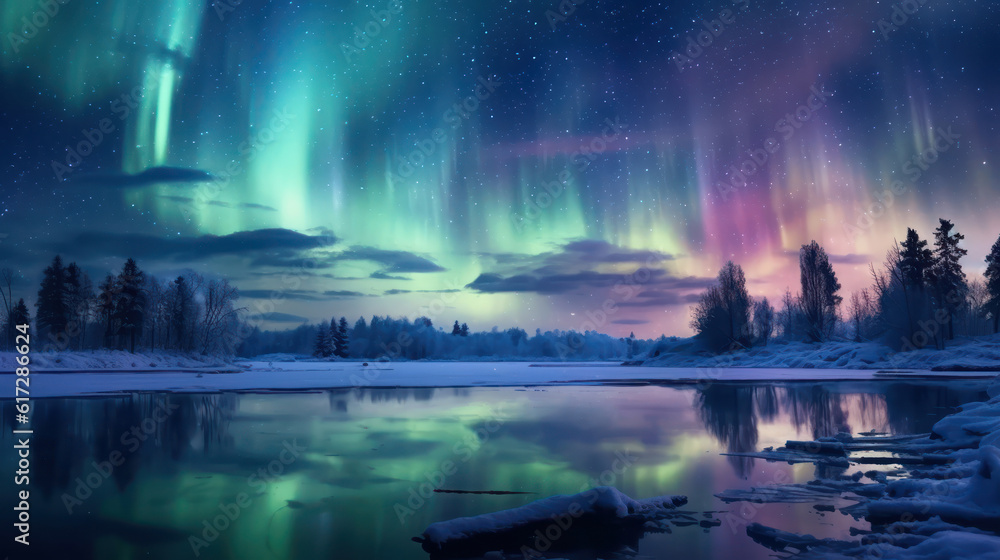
{"points": [[862, 310], [220, 316], [763, 321]]}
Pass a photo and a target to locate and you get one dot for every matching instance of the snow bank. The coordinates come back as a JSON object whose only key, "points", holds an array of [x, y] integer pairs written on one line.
{"points": [[112, 360], [964, 354]]}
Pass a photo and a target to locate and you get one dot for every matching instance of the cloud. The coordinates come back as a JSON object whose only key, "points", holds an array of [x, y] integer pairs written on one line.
{"points": [[598, 251], [277, 317], [592, 269], [393, 261], [394, 292], [180, 199], [549, 284], [384, 276], [243, 205], [630, 322], [851, 258], [254, 206], [281, 243], [149, 177], [305, 295]]}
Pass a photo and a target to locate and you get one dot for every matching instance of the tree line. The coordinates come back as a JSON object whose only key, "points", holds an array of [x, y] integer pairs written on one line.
{"points": [[920, 297], [389, 338], [130, 310]]}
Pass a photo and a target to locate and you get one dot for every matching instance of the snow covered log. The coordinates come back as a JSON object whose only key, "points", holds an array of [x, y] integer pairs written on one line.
{"points": [[601, 516]]}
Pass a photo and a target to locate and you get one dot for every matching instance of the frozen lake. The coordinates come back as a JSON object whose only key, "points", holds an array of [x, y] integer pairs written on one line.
{"points": [[352, 469]]}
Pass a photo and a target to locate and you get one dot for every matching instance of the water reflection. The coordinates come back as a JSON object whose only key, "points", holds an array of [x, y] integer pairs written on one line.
{"points": [[369, 449], [731, 412], [145, 428]]}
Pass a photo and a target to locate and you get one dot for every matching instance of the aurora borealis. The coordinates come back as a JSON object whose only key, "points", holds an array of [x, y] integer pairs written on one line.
{"points": [[487, 161]]}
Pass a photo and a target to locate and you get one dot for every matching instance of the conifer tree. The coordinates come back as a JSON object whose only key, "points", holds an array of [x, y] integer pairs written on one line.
{"points": [[993, 285], [947, 277], [52, 316]]}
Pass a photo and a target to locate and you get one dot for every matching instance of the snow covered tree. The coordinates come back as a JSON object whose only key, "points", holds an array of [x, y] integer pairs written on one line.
{"points": [[359, 338], [915, 260], [106, 307], [182, 312], [993, 285], [722, 315], [7, 294], [341, 340], [763, 321], [79, 302], [947, 277], [321, 348], [819, 299], [456, 330], [52, 316], [464, 331], [18, 316]]}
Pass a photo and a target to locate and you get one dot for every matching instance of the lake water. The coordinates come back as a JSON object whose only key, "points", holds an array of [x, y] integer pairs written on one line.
{"points": [[349, 473]]}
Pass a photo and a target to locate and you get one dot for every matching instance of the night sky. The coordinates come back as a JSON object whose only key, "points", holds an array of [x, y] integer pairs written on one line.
{"points": [[487, 161]]}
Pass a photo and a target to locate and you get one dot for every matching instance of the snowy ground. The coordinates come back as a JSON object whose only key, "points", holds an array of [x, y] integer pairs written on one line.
{"points": [[980, 353], [112, 360], [278, 376], [677, 362]]}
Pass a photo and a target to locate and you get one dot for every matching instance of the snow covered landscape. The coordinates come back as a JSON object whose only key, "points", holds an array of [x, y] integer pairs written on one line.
{"points": [[535, 280]]}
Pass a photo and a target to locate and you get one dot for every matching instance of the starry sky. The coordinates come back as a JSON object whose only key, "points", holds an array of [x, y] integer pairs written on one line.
{"points": [[513, 163]]}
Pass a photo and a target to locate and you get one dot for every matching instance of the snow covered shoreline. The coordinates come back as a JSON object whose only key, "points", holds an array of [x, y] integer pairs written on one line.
{"points": [[963, 354], [112, 360], [304, 376], [942, 499]]}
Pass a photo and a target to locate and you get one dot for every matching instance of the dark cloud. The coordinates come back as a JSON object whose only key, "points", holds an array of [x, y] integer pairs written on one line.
{"points": [[549, 284], [305, 295], [180, 199], [598, 251], [277, 317], [384, 276], [393, 261], [275, 243], [851, 258], [582, 268], [630, 322], [149, 177], [254, 206], [244, 205], [397, 292]]}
